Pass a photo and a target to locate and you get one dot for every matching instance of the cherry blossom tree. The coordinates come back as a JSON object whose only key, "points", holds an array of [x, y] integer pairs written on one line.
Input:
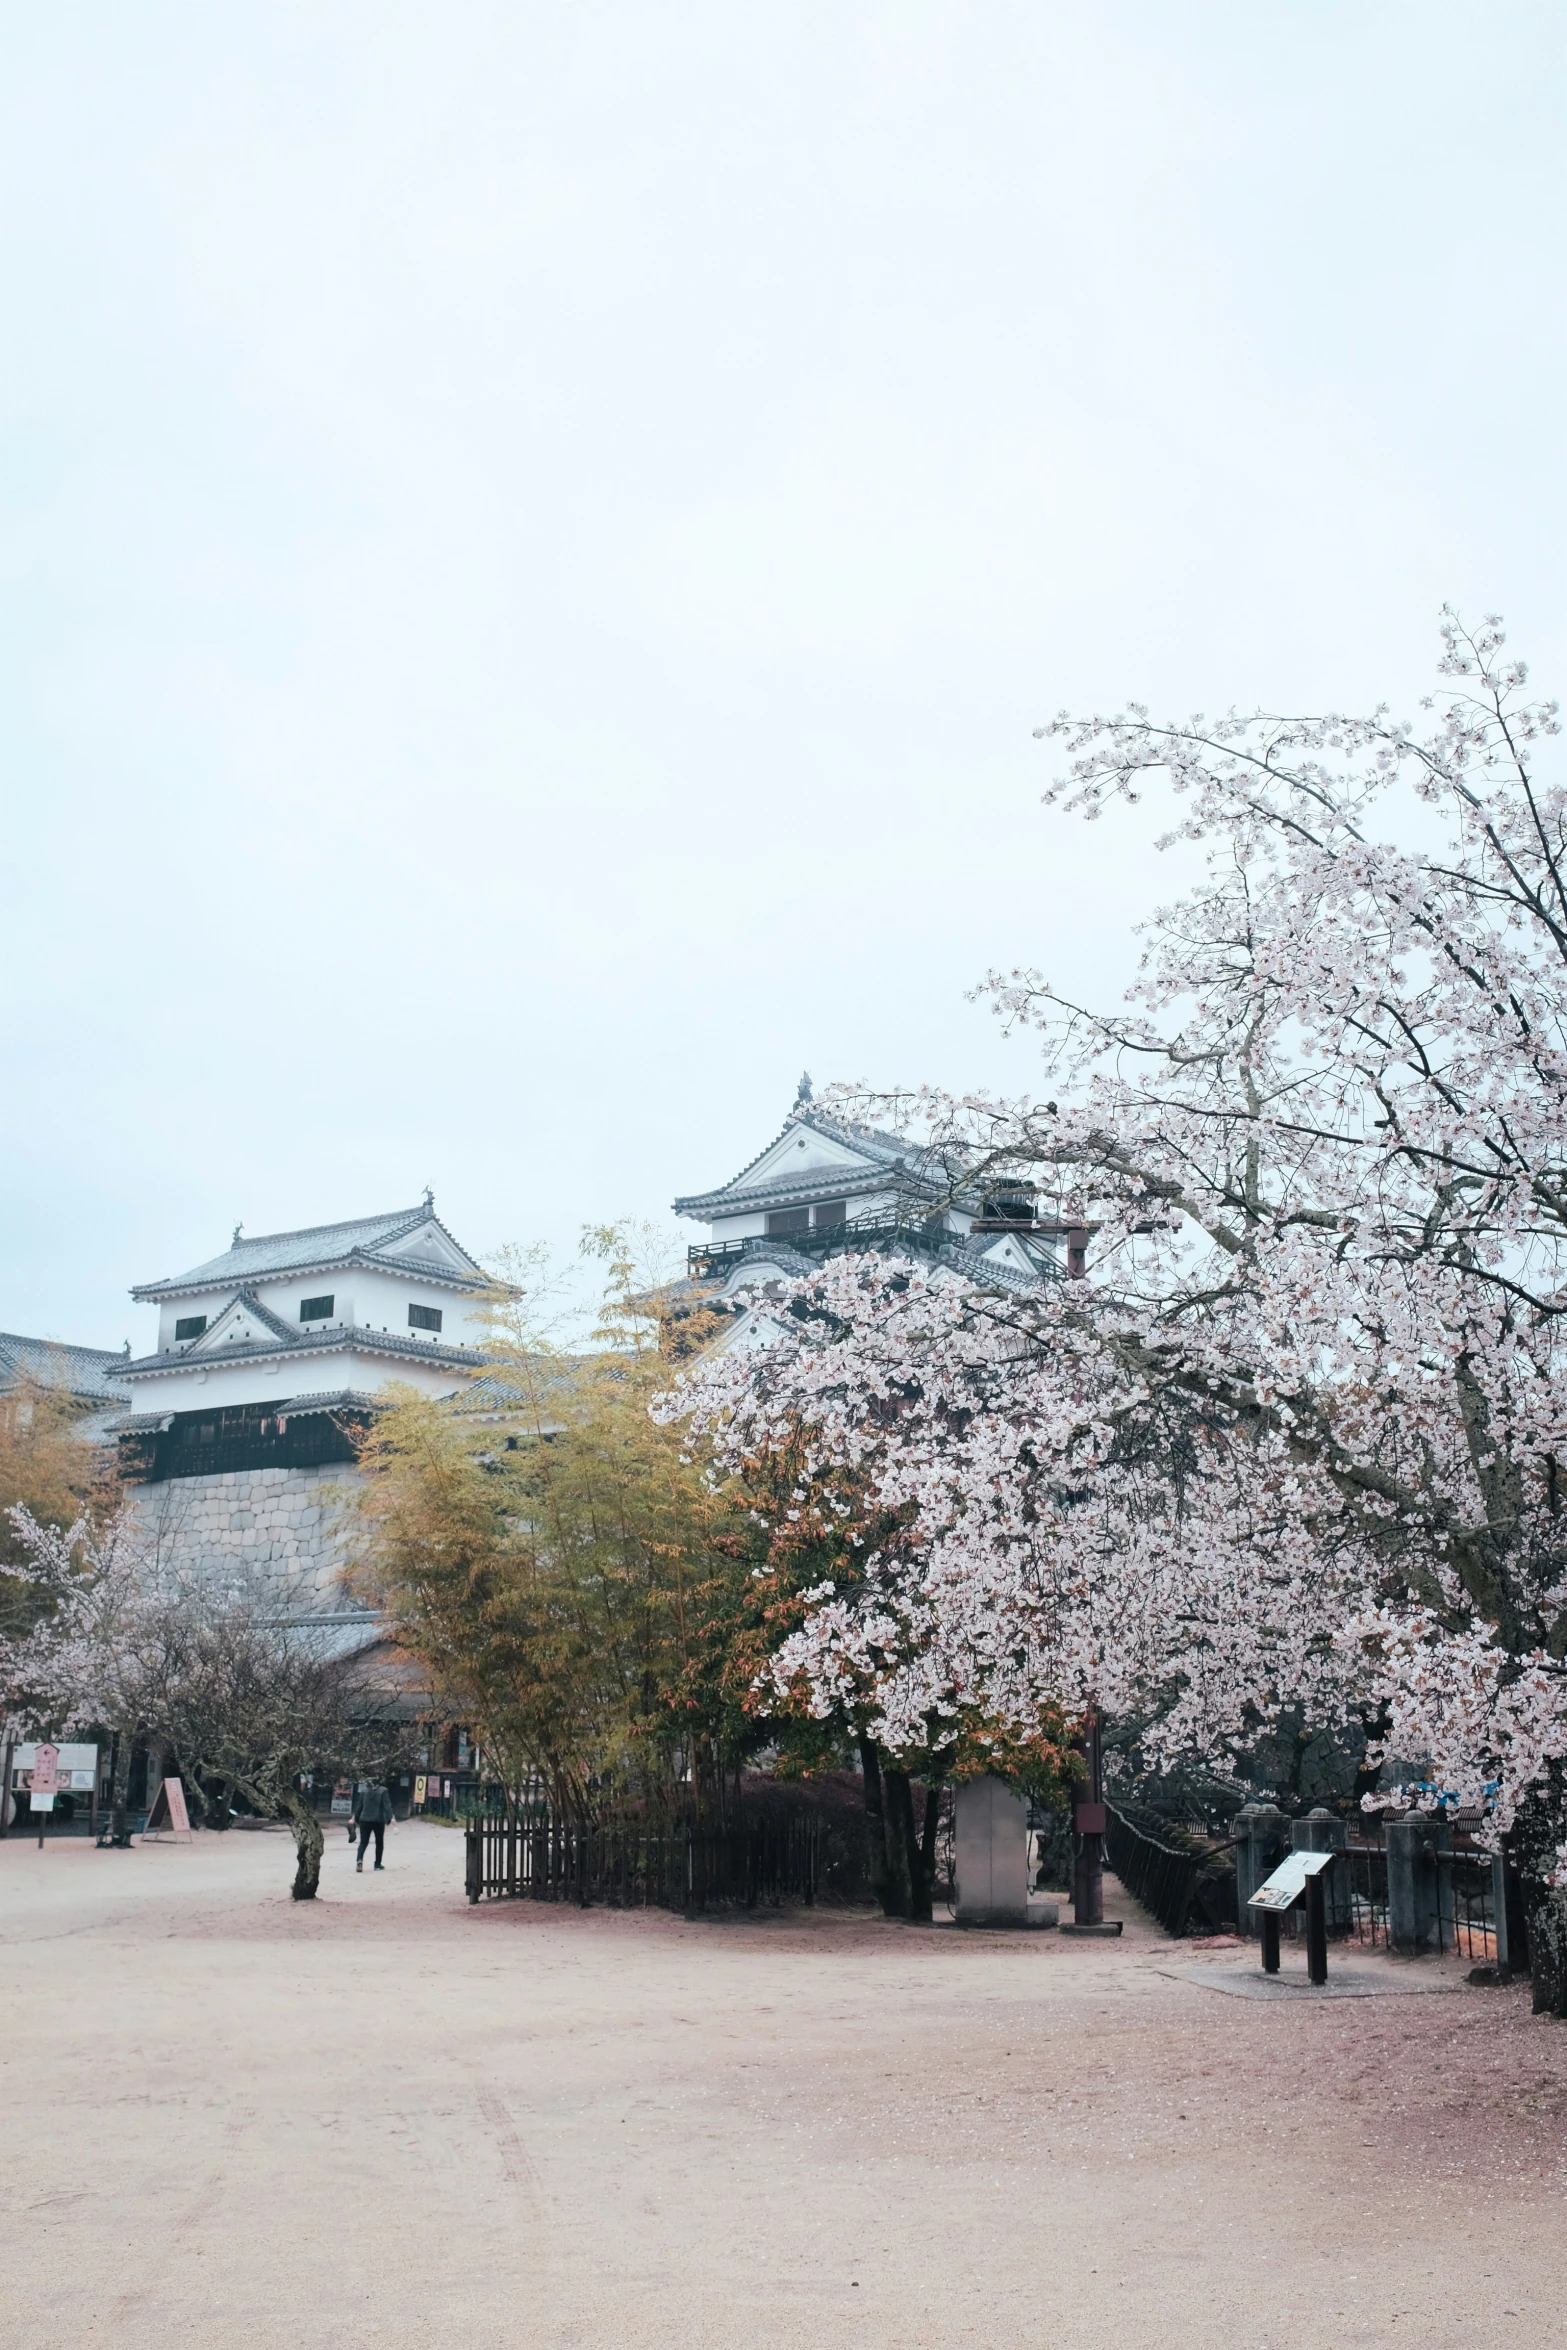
{"points": [[231, 1671], [66, 1653], [1298, 1440]]}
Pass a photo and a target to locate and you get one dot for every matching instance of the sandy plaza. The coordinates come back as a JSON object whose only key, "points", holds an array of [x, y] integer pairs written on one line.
{"points": [[385, 2118]]}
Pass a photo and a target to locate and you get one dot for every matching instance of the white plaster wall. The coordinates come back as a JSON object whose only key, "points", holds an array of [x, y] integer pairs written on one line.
{"points": [[737, 1227], [320, 1372], [378, 1300], [860, 1203]]}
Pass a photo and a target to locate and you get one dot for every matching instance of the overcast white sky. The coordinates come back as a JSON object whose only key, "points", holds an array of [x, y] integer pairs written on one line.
{"points": [[533, 541]]}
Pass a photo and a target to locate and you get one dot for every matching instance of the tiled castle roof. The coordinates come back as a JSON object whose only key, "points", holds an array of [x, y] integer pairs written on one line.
{"points": [[337, 1338], [884, 1158], [763, 1252], [89, 1372], [317, 1248]]}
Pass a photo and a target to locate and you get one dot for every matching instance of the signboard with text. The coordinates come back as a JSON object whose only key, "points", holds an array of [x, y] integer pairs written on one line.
{"points": [[1288, 1881], [75, 1768]]}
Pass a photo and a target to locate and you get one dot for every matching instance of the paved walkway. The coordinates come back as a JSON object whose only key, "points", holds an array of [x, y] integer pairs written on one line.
{"points": [[388, 2119]]}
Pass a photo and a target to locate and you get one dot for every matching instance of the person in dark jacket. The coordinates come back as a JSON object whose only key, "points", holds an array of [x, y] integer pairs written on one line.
{"points": [[373, 1811]]}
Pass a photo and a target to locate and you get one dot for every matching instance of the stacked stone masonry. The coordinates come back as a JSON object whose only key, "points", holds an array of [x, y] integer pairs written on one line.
{"points": [[284, 1523]]}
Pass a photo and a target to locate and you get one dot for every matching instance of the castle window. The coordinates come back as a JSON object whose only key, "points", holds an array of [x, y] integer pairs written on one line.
{"points": [[424, 1317], [189, 1326], [1009, 1207], [831, 1212], [789, 1220], [316, 1309]]}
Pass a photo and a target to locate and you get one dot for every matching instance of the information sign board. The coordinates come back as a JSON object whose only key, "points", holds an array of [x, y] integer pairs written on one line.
{"points": [[1287, 1884], [76, 1768], [45, 1764], [419, 1789]]}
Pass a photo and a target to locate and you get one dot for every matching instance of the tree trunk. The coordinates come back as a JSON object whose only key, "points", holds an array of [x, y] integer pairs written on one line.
{"points": [[1535, 1840], [922, 1859], [876, 1827], [1547, 1948], [898, 1843], [120, 1832], [870, 1765], [308, 1844]]}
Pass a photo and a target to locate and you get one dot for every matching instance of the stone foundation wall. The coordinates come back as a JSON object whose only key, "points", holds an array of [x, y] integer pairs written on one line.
{"points": [[282, 1522]]}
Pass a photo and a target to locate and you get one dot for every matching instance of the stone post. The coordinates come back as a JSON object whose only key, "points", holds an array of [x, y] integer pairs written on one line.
{"points": [[1411, 1882], [990, 1840], [1322, 1831], [1512, 1937], [1500, 1935], [1259, 1847]]}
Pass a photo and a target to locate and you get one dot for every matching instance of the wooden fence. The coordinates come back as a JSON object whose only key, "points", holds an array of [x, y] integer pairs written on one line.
{"points": [[630, 1866]]}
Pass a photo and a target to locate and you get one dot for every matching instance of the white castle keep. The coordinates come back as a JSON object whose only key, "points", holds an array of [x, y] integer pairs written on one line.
{"points": [[823, 1187], [269, 1359]]}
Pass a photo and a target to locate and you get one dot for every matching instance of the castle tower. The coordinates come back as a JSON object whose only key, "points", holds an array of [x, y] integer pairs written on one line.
{"points": [[823, 1187], [269, 1358]]}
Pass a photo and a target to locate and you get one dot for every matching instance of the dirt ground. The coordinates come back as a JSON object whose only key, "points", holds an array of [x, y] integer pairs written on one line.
{"points": [[389, 2119]]}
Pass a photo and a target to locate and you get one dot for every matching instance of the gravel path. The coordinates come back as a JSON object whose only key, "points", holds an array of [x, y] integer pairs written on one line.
{"points": [[389, 2119]]}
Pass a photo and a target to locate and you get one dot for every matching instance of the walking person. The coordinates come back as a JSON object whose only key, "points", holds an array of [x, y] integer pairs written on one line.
{"points": [[372, 1811]]}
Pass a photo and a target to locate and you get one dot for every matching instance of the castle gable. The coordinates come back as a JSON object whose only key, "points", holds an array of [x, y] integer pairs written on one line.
{"points": [[813, 1154], [804, 1148], [244, 1321], [428, 1245]]}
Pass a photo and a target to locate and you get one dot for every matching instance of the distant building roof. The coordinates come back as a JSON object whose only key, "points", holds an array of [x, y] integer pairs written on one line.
{"points": [[883, 1159], [88, 1372], [368, 1239]]}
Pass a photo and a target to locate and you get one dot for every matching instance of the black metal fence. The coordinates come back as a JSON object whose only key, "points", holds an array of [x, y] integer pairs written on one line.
{"points": [[1466, 1903], [1189, 1888], [1357, 1896], [1462, 1918], [532, 1858]]}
